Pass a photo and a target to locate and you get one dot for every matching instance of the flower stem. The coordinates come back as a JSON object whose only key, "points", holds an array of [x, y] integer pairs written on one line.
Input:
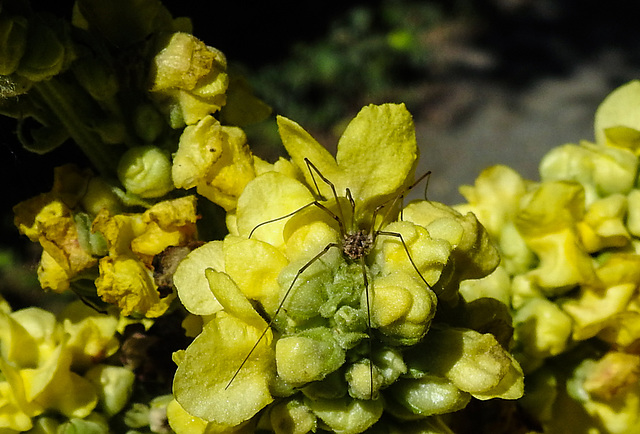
{"points": [[66, 105]]}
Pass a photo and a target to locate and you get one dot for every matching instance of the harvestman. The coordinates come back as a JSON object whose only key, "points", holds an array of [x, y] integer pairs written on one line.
{"points": [[355, 244]]}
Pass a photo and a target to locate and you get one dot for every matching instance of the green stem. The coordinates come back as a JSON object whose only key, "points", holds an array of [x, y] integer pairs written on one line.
{"points": [[62, 103]]}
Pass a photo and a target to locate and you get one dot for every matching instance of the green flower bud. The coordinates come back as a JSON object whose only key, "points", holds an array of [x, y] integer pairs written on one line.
{"points": [[359, 376], [346, 415], [473, 362], [390, 364], [45, 425], [146, 172], [45, 55], [114, 385], [137, 416], [292, 417], [93, 424], [99, 195], [429, 395], [308, 356], [542, 329], [148, 123], [96, 77], [333, 386]]}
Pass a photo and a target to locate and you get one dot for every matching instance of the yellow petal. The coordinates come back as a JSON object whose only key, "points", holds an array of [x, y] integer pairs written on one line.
{"points": [[191, 282], [255, 266], [300, 145], [267, 197], [209, 363], [619, 108], [232, 299], [378, 153]]}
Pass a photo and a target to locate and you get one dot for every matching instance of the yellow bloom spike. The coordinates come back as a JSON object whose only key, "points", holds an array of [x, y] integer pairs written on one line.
{"points": [[298, 258]]}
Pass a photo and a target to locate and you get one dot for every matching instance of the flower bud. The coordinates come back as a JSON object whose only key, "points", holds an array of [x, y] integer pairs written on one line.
{"points": [[309, 356], [114, 385], [429, 395], [146, 171]]}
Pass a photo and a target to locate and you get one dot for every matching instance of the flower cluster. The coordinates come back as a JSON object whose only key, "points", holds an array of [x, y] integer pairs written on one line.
{"points": [[348, 339], [570, 270], [148, 130], [54, 374], [329, 305], [83, 236]]}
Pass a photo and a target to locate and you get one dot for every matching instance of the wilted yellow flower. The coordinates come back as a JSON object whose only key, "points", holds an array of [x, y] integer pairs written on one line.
{"points": [[49, 220], [609, 390], [126, 274]]}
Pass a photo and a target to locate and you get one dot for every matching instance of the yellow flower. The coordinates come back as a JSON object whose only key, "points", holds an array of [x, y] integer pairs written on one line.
{"points": [[495, 200], [282, 226], [610, 309], [189, 79], [126, 274], [49, 220], [547, 221], [215, 159], [39, 355]]}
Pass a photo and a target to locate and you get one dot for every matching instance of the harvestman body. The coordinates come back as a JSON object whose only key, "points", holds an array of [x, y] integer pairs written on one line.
{"points": [[354, 244]]}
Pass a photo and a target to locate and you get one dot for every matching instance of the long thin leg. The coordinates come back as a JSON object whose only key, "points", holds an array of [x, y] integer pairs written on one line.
{"points": [[406, 249], [273, 318], [369, 329], [314, 203], [311, 166], [395, 200]]}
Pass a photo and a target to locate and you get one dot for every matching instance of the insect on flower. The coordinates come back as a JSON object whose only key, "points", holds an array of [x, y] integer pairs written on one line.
{"points": [[354, 244]]}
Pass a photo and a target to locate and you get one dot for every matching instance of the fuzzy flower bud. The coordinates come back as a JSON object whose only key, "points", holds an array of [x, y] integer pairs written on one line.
{"points": [[146, 172]]}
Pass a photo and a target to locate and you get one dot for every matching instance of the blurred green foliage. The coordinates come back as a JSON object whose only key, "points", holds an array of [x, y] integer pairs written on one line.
{"points": [[368, 53]]}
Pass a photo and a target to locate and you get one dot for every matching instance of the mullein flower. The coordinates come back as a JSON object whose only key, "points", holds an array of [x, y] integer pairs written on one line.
{"points": [[311, 365], [51, 365], [215, 159], [570, 266], [188, 79], [80, 227], [52, 219], [133, 240]]}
